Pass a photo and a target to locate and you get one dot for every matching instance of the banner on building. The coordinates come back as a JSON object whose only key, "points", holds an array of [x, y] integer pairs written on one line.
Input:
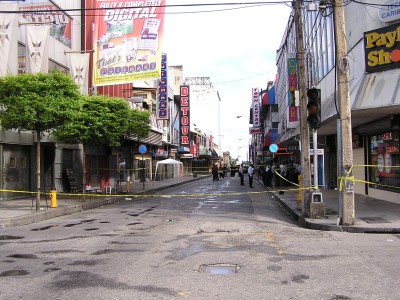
{"points": [[256, 108], [44, 11], [127, 41], [37, 48], [293, 113], [79, 64], [8, 40], [185, 116], [292, 74], [162, 98]]}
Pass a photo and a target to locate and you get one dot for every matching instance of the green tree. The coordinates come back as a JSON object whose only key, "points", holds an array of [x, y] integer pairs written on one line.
{"points": [[37, 102], [138, 125], [104, 121]]}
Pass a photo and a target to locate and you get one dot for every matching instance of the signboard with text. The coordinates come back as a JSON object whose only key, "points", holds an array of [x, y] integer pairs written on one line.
{"points": [[184, 119], [127, 40]]}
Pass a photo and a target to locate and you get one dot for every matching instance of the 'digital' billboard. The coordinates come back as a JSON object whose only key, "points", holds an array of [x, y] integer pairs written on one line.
{"points": [[127, 41]]}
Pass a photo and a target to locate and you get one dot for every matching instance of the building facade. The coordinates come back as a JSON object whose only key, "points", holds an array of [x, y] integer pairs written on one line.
{"points": [[374, 92]]}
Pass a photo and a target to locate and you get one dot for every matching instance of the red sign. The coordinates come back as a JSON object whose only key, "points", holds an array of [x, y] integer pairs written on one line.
{"points": [[185, 115], [256, 130]]}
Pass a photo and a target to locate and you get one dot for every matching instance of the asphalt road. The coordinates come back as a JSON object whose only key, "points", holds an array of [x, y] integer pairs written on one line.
{"points": [[192, 242]]}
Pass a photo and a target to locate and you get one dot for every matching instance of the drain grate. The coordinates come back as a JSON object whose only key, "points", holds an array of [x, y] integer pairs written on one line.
{"points": [[219, 269], [374, 220]]}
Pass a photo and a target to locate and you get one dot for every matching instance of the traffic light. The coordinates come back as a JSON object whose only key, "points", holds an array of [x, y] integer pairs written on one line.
{"points": [[314, 108]]}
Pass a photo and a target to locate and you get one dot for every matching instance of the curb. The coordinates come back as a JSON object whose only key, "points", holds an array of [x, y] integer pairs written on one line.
{"points": [[306, 223], [41, 216]]}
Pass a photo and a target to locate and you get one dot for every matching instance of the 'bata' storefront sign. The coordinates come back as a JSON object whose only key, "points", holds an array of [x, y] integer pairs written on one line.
{"points": [[185, 115], [382, 48]]}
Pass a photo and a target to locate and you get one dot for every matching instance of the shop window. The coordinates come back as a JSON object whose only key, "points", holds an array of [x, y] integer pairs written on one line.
{"points": [[384, 172]]}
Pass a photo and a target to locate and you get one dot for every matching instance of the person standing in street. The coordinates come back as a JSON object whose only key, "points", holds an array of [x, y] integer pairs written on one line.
{"points": [[251, 174], [241, 175]]}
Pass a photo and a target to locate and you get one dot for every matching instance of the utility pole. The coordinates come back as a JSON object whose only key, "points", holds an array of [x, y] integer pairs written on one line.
{"points": [[304, 133], [346, 155]]}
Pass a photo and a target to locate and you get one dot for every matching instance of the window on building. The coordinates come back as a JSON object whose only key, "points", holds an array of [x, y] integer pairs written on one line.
{"points": [[12, 163], [320, 45], [22, 163], [384, 157]]}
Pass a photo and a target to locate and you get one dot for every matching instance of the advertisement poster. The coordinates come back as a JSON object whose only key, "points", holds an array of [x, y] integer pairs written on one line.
{"points": [[42, 11], [127, 41]]}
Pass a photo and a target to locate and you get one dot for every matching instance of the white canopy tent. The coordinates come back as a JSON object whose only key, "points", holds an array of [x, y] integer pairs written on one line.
{"points": [[177, 165]]}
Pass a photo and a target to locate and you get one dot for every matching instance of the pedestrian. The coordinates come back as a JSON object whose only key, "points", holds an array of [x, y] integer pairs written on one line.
{"points": [[251, 174], [215, 172], [260, 172], [221, 172], [241, 174], [268, 176]]}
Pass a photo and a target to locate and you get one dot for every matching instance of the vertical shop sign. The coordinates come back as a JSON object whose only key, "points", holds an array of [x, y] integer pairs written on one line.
{"points": [[185, 115], [256, 108], [127, 41], [162, 99], [292, 75]]}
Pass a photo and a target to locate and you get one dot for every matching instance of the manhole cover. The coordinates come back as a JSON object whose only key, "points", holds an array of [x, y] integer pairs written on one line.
{"points": [[373, 220], [219, 269]]}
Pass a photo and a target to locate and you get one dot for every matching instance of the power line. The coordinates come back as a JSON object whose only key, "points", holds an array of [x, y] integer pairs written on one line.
{"points": [[285, 2]]}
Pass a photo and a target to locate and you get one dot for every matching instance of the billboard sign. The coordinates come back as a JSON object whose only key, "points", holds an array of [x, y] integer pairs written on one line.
{"points": [[127, 41], [43, 11], [185, 116]]}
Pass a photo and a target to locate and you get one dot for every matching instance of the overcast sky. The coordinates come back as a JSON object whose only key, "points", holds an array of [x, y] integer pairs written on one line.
{"points": [[236, 48]]}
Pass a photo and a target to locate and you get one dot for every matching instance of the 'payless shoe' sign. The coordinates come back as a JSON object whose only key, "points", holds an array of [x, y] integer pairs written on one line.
{"points": [[382, 48]]}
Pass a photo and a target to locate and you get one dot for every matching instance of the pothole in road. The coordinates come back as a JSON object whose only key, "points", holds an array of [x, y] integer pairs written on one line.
{"points": [[26, 256], [91, 229], [43, 228], [10, 237], [274, 268], [87, 221], [218, 230], [51, 270], [219, 269], [71, 225], [135, 223], [14, 273]]}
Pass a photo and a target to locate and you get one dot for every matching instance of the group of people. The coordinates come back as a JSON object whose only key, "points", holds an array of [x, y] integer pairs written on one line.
{"points": [[218, 172], [250, 172], [282, 174], [273, 174]]}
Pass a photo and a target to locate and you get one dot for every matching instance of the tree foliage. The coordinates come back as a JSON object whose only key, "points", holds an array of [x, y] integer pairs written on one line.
{"points": [[37, 102], [103, 121]]}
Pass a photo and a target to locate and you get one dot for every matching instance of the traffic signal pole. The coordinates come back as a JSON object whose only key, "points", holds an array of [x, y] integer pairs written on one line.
{"points": [[346, 182]]}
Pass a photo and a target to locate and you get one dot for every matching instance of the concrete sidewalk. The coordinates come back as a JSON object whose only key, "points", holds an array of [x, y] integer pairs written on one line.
{"points": [[21, 212], [372, 215]]}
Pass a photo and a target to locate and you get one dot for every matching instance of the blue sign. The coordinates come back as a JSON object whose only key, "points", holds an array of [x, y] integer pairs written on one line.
{"points": [[142, 149], [273, 148]]}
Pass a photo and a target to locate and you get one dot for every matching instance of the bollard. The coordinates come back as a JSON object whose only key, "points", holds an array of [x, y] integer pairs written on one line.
{"points": [[53, 198], [300, 195]]}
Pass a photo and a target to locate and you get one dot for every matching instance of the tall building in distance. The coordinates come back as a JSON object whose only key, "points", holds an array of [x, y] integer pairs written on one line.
{"points": [[205, 107]]}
